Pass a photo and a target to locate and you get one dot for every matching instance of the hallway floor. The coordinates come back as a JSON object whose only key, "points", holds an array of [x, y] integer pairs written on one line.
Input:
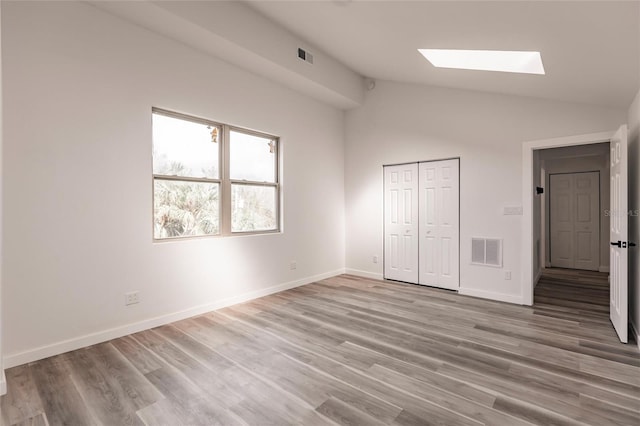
{"points": [[574, 294]]}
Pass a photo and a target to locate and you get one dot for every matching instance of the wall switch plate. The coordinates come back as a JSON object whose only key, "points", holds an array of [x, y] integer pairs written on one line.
{"points": [[293, 265], [131, 298], [375, 259], [512, 211], [507, 275]]}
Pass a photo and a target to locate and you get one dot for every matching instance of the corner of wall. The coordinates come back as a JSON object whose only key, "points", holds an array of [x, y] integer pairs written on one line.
{"points": [[537, 277], [633, 123], [636, 334], [3, 382], [364, 274]]}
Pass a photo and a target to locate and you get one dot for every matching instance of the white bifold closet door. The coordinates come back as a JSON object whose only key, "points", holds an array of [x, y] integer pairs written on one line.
{"points": [[438, 210], [422, 223], [401, 222]]}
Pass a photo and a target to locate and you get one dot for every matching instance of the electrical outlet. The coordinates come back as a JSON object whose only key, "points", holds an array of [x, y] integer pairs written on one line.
{"points": [[293, 265], [375, 259], [507, 275], [131, 298]]}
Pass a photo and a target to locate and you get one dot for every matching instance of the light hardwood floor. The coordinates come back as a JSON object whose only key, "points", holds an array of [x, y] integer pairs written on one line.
{"points": [[349, 351]]}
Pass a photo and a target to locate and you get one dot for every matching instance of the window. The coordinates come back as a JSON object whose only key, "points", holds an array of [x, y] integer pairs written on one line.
{"points": [[212, 179]]}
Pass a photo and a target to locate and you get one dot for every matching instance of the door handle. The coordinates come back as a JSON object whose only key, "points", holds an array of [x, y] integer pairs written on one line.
{"points": [[623, 244]]}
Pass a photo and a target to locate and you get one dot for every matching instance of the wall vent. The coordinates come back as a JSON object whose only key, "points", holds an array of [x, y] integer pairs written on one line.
{"points": [[486, 251], [305, 56]]}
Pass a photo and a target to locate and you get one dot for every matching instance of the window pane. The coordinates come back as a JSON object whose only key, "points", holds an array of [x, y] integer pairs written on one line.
{"points": [[252, 157], [253, 208], [184, 148], [185, 208]]}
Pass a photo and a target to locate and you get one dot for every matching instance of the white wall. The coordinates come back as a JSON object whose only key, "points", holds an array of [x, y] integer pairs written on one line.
{"points": [[634, 219], [633, 123], [3, 382], [244, 37], [79, 87], [403, 122]]}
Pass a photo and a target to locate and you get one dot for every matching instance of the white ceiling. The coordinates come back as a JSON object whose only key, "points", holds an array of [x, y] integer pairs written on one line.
{"points": [[590, 50]]}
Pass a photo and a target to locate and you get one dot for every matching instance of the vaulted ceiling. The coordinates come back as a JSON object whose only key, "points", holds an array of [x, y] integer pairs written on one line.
{"points": [[590, 49]]}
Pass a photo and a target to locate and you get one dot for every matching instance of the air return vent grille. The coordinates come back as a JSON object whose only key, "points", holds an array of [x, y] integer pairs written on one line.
{"points": [[486, 251], [305, 56]]}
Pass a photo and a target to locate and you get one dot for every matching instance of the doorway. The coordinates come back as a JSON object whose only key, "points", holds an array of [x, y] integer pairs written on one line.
{"points": [[574, 225], [533, 251], [572, 221], [573, 214], [574, 217]]}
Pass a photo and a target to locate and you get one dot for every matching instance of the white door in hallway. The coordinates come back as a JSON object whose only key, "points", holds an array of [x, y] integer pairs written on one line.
{"points": [[439, 223], [401, 222], [574, 220], [619, 235]]}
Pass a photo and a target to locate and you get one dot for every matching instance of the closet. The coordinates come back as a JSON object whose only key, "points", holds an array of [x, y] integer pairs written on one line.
{"points": [[421, 223]]}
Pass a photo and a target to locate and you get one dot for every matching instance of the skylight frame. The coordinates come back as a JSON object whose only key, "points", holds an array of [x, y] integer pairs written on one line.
{"points": [[511, 61]]}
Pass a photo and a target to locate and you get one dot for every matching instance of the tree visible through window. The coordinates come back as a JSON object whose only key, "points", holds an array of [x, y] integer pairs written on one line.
{"points": [[253, 173], [196, 162]]}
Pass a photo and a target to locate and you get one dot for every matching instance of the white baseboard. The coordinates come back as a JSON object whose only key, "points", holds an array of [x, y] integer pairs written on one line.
{"points": [[603, 269], [57, 348], [500, 297], [3, 383], [364, 274], [634, 330]]}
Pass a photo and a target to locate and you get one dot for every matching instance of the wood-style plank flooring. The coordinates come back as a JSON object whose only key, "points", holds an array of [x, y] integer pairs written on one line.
{"points": [[350, 351], [585, 291]]}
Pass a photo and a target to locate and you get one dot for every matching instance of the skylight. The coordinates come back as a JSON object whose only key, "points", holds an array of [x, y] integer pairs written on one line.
{"points": [[486, 60]]}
